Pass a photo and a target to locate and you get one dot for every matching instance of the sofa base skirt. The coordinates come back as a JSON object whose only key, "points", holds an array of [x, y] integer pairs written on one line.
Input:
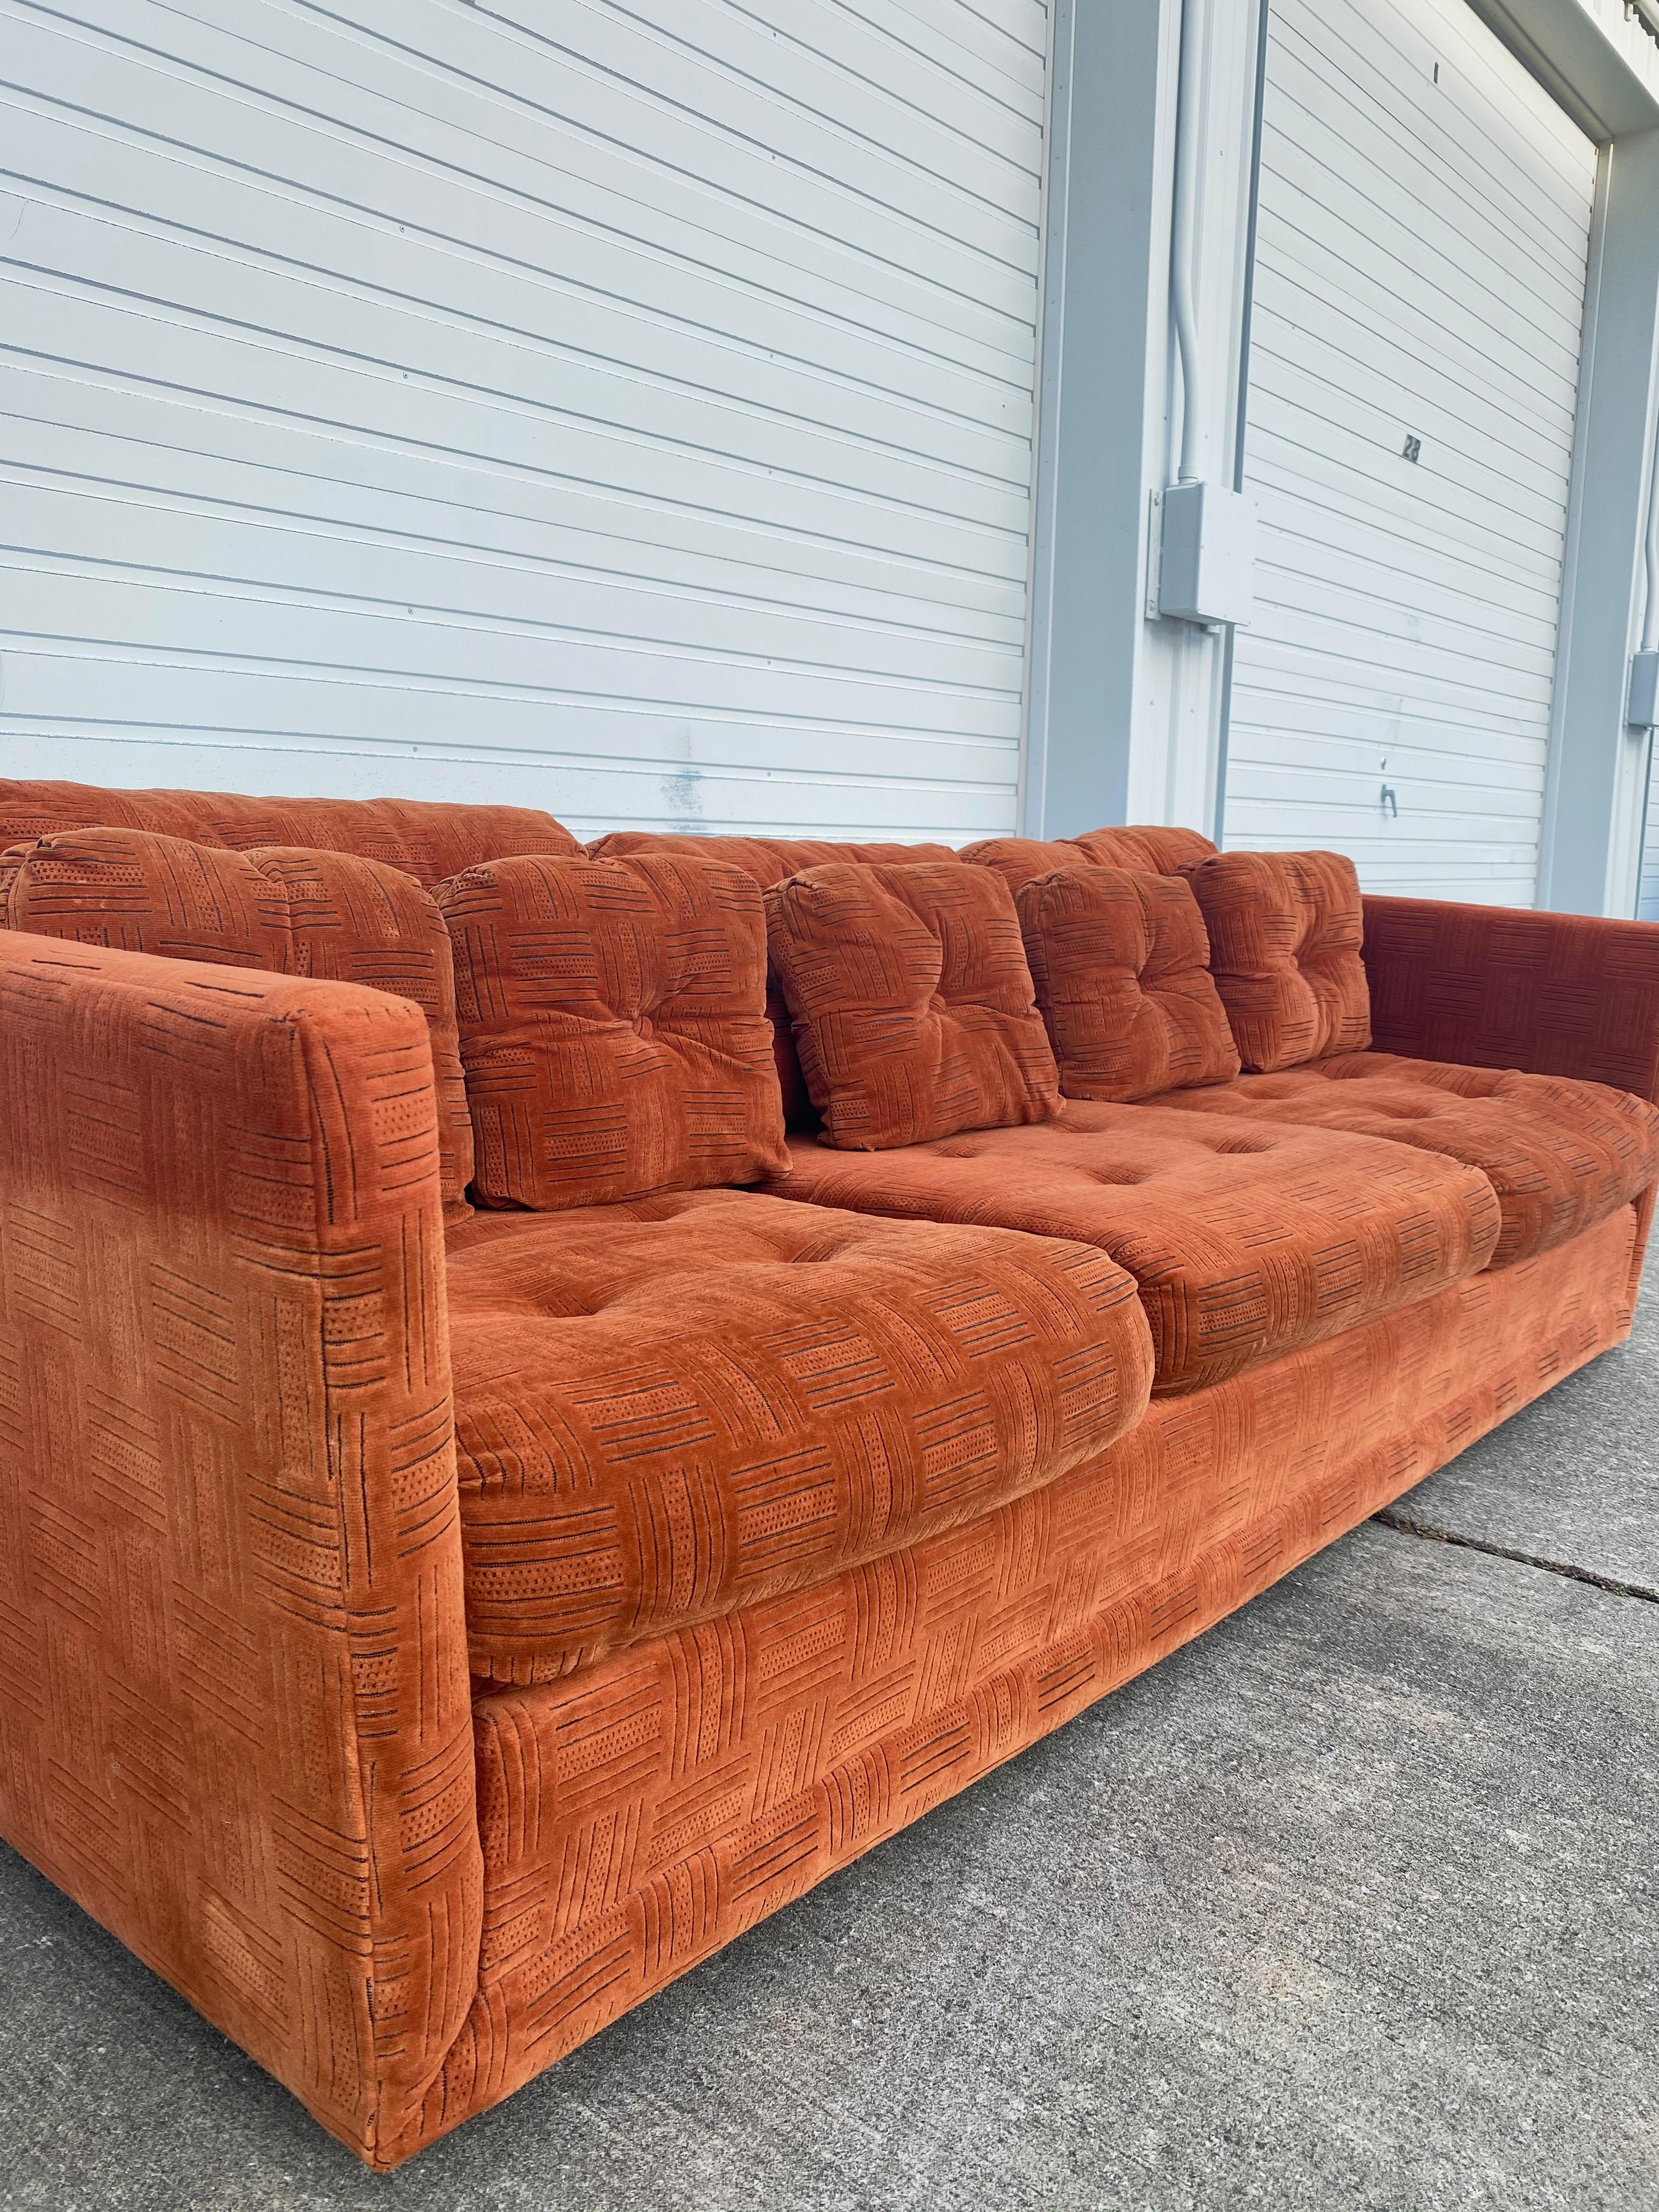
{"points": [[638, 1817]]}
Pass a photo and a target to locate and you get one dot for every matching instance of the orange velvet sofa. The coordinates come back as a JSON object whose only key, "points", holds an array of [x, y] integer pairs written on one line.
{"points": [[471, 1546]]}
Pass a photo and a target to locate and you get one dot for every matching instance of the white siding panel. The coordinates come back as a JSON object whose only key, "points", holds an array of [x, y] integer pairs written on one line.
{"points": [[624, 409], [1422, 241], [1647, 899]]}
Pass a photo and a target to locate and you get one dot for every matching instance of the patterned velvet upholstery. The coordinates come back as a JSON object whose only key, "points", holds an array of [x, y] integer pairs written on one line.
{"points": [[911, 1002], [426, 839], [1021, 859], [613, 1027], [235, 1716], [1501, 987], [1122, 967], [769, 860], [329, 915], [668, 1409], [1560, 1155], [1246, 1245], [1150, 849], [1161, 851], [1285, 936]]}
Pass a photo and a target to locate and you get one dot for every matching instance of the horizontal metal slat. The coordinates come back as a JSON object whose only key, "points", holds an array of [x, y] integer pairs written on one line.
{"points": [[404, 398]]}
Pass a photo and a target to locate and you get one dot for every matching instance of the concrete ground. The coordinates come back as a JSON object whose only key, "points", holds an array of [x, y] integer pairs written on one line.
{"points": [[1351, 1903]]}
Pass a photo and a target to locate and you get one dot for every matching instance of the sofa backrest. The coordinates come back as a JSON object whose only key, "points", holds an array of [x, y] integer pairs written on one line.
{"points": [[427, 839], [1148, 847], [436, 842], [768, 860], [1153, 846]]}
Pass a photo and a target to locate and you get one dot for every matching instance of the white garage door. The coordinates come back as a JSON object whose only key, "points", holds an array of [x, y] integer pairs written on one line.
{"points": [[624, 409], [1419, 305], [1647, 898]]}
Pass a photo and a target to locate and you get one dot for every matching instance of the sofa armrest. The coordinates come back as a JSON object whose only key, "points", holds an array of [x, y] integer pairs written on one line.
{"points": [[234, 1710], [1505, 987]]}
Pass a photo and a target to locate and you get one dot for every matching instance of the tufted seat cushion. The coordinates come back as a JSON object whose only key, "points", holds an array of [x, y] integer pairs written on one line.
{"points": [[1245, 1241], [667, 1409], [1560, 1154], [612, 1027]]}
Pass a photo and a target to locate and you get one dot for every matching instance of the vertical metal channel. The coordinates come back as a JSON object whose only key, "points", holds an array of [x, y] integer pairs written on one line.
{"points": [[1263, 30]]}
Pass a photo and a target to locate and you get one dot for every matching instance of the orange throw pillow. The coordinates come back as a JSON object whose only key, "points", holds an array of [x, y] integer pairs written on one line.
{"points": [[769, 860], [1286, 930], [911, 1001], [328, 915], [613, 1027], [1122, 967]]}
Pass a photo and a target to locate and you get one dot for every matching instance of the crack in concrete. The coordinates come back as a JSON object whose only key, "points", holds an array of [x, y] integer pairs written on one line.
{"points": [[1430, 1534]]}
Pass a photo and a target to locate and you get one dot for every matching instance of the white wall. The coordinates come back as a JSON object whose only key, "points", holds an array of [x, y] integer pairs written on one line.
{"points": [[624, 409], [1426, 222]]}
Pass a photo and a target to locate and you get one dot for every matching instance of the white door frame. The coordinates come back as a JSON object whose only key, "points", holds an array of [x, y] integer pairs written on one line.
{"points": [[1590, 859]]}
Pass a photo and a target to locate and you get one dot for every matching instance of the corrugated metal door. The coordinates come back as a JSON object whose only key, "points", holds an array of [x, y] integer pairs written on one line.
{"points": [[622, 408], [1419, 306], [1647, 897]]}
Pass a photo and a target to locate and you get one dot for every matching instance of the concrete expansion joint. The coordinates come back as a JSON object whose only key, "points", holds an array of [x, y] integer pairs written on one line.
{"points": [[1405, 1527]]}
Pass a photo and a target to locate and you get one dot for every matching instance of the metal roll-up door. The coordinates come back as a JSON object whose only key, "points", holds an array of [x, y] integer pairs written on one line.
{"points": [[625, 411], [1647, 895], [1417, 325]]}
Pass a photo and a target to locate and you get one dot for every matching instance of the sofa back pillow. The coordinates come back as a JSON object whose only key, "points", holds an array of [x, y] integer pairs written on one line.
{"points": [[1021, 860], [328, 915], [1154, 848], [1149, 848], [427, 839], [911, 1001], [613, 1027], [769, 860], [1286, 931], [1122, 967]]}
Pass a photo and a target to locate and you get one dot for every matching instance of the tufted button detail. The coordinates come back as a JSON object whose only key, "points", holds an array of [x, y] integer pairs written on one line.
{"points": [[643, 1026]]}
